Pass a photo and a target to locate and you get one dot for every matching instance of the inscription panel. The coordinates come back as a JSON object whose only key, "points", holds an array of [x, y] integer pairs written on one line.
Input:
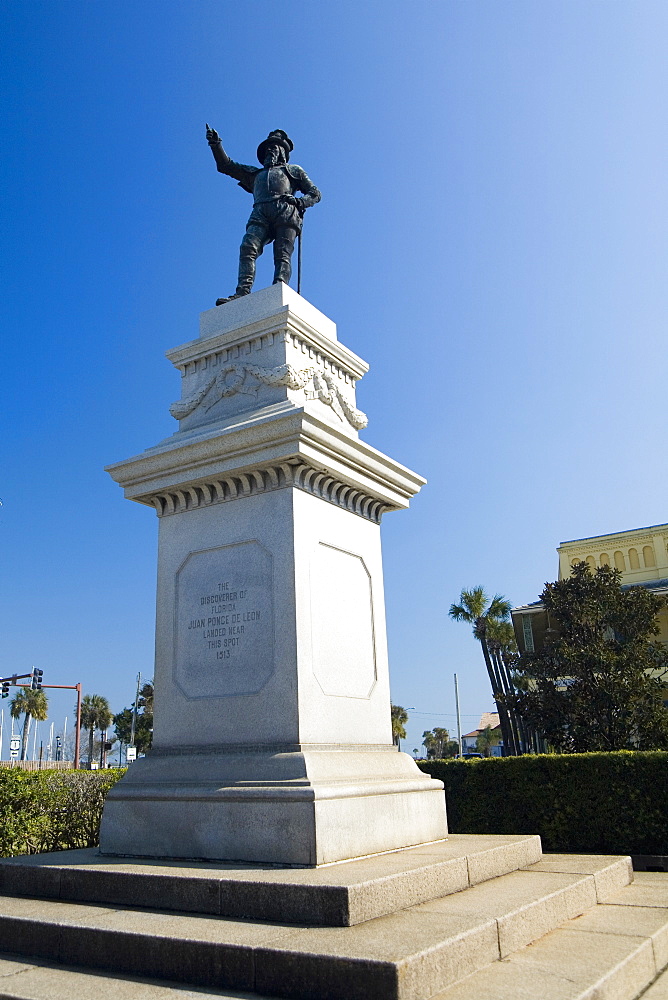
{"points": [[224, 621]]}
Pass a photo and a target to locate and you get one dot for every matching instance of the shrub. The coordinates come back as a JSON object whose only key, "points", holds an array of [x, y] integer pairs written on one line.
{"points": [[591, 803], [51, 810]]}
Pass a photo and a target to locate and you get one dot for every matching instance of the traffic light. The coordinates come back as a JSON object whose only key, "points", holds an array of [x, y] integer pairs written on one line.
{"points": [[36, 681], [5, 689], [107, 745]]}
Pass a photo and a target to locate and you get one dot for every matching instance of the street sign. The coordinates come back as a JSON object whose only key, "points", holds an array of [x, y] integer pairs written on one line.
{"points": [[130, 754], [14, 746]]}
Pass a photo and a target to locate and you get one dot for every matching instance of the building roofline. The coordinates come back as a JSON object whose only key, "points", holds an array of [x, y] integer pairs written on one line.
{"points": [[536, 606], [612, 534]]}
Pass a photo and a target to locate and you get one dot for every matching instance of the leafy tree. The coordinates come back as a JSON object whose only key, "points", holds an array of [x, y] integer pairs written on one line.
{"points": [[143, 729], [95, 714], [597, 683], [399, 720], [31, 705], [144, 720], [485, 741], [438, 744], [146, 698]]}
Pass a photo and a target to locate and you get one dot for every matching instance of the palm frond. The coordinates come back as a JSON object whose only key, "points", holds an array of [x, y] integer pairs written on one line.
{"points": [[472, 605], [459, 613], [499, 608]]}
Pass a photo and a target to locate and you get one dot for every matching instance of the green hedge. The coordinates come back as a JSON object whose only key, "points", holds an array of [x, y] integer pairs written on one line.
{"points": [[51, 810], [591, 803]]}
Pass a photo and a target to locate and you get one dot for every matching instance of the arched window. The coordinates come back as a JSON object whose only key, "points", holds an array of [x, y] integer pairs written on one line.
{"points": [[619, 561], [634, 562], [574, 561], [605, 559], [591, 562], [648, 555]]}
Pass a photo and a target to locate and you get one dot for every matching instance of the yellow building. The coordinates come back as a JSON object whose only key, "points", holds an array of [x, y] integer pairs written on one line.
{"points": [[642, 556]]}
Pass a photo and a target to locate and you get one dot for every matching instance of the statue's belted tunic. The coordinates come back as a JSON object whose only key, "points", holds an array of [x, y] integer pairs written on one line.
{"points": [[277, 214]]}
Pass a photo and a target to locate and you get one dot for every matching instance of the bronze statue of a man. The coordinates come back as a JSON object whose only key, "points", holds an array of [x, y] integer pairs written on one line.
{"points": [[277, 214]]}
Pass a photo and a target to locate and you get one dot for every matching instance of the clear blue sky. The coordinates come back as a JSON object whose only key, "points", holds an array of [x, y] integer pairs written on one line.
{"points": [[492, 239]]}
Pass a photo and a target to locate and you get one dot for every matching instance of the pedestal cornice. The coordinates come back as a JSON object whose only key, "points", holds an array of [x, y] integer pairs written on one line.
{"points": [[233, 345], [270, 451]]}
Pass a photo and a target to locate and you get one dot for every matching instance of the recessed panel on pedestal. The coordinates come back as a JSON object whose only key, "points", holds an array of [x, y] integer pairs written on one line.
{"points": [[344, 654], [224, 621]]}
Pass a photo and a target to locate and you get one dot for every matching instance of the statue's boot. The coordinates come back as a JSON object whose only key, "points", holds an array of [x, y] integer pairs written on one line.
{"points": [[246, 276], [284, 244], [246, 272]]}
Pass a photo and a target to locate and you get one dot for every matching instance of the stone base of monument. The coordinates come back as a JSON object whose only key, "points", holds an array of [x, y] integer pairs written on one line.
{"points": [[272, 733], [306, 807], [472, 917]]}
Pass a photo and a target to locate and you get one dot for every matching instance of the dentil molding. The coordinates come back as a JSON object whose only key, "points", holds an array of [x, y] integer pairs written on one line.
{"points": [[294, 473]]}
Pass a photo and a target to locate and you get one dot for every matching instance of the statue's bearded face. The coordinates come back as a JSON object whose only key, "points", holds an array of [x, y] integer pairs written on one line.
{"points": [[274, 156]]}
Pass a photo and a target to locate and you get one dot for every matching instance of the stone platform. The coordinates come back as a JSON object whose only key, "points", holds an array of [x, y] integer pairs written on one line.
{"points": [[558, 928], [335, 895]]}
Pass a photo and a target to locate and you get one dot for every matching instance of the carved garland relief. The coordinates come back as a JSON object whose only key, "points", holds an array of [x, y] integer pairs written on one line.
{"points": [[232, 378]]}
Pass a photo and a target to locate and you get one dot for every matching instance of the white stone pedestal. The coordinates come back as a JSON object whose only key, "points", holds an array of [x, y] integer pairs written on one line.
{"points": [[272, 736]]}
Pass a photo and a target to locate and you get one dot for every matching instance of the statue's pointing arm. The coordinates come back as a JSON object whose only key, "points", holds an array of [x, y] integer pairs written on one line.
{"points": [[227, 166]]}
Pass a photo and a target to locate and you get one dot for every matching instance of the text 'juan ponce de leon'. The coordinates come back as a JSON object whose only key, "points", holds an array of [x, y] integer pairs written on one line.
{"points": [[224, 619]]}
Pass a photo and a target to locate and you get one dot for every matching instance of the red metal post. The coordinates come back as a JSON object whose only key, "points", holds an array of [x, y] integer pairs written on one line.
{"points": [[77, 738], [77, 735]]}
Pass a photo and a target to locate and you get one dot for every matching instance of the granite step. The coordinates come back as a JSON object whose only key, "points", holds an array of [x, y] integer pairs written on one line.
{"points": [[407, 955], [340, 894], [39, 980], [613, 951], [659, 988]]}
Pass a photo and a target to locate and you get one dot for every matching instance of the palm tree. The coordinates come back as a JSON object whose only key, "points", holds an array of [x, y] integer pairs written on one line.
{"points": [[494, 632], [436, 742], [485, 741], [399, 720], [32, 705], [489, 618], [95, 714]]}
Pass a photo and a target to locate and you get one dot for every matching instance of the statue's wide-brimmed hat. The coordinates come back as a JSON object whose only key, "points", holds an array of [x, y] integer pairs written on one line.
{"points": [[276, 138]]}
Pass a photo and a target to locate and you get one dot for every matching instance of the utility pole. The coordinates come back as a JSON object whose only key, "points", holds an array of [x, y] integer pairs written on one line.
{"points": [[134, 713], [103, 750], [459, 721]]}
